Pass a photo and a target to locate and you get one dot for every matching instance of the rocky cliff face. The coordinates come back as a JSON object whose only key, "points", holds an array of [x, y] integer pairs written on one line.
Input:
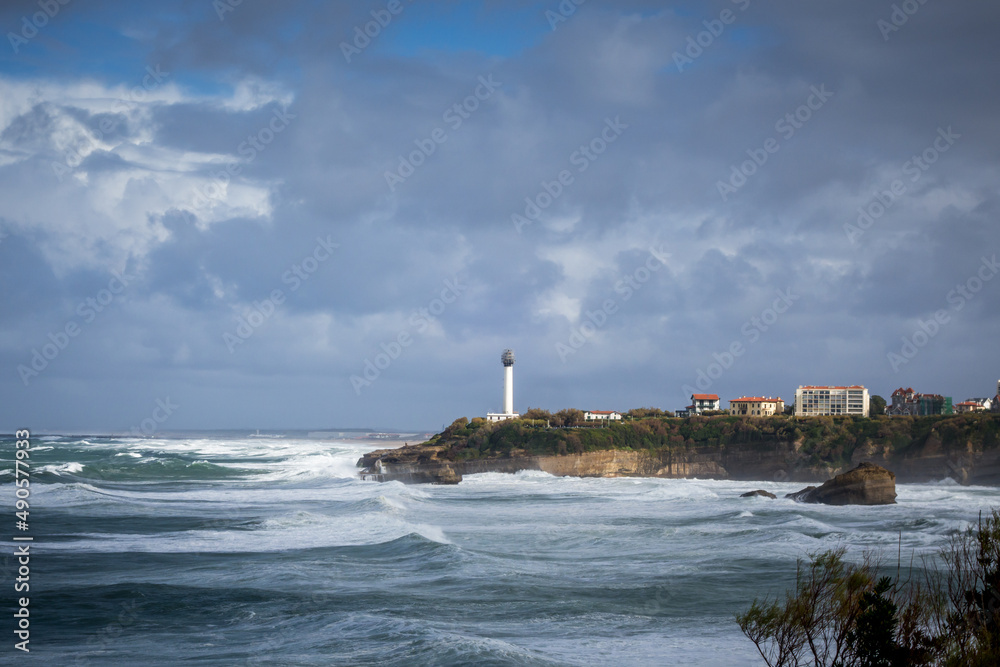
{"points": [[772, 461], [416, 464]]}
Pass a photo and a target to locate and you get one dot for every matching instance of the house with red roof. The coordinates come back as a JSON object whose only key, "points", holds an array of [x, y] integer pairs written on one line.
{"points": [[906, 402], [702, 402], [601, 415]]}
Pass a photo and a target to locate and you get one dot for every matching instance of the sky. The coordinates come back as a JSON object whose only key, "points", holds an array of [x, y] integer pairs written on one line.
{"points": [[247, 214]]}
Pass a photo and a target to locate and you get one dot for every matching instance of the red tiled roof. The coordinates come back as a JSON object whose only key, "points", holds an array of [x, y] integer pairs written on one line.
{"points": [[754, 399], [816, 386], [705, 397]]}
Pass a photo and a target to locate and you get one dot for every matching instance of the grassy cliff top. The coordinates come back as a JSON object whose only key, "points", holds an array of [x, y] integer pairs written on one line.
{"points": [[828, 439]]}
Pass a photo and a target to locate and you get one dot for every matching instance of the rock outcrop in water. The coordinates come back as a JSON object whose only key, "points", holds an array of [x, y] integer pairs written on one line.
{"points": [[759, 492], [868, 484]]}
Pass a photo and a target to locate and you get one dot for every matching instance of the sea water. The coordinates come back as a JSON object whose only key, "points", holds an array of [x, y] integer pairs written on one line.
{"points": [[236, 550]]}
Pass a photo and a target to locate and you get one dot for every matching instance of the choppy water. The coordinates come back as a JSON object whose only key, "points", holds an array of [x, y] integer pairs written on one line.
{"points": [[254, 551]]}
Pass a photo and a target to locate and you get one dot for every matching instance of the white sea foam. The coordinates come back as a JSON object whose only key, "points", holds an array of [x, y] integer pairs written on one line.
{"points": [[432, 533], [70, 467]]}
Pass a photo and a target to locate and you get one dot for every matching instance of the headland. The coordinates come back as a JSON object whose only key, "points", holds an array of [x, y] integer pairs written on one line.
{"points": [[964, 448]]}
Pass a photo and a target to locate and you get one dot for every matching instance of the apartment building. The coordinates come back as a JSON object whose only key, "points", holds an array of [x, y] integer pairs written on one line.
{"points": [[815, 401]]}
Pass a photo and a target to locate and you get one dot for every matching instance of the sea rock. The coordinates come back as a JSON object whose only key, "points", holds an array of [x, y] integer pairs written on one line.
{"points": [[868, 484], [447, 475], [758, 492]]}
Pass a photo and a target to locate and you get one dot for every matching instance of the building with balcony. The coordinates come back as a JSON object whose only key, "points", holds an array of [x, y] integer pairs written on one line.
{"points": [[756, 406], [702, 402], [816, 401]]}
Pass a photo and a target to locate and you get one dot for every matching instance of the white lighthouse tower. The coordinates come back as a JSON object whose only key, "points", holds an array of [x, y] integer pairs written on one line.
{"points": [[507, 359]]}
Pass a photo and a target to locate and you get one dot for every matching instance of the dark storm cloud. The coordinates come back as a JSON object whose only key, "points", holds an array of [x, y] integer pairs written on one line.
{"points": [[784, 223]]}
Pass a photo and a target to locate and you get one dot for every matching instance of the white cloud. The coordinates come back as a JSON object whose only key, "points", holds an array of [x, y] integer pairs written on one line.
{"points": [[102, 215]]}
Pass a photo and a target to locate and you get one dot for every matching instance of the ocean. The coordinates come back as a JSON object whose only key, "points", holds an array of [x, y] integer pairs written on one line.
{"points": [[232, 550]]}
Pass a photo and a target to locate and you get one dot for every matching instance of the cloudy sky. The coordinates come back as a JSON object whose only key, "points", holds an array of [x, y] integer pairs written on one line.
{"points": [[317, 214]]}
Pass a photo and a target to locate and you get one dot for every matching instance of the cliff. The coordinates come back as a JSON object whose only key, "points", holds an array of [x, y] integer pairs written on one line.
{"points": [[965, 448]]}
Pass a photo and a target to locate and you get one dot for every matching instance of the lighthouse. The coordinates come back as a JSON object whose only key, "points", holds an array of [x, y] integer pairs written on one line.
{"points": [[507, 359]]}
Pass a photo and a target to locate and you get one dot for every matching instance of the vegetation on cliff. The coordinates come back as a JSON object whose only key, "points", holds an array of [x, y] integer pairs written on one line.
{"points": [[822, 440]]}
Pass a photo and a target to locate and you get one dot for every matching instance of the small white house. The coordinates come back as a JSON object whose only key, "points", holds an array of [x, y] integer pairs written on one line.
{"points": [[501, 416], [702, 402], [601, 415]]}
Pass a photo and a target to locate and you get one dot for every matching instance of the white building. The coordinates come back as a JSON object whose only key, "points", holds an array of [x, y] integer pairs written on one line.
{"points": [[702, 402], [507, 359], [601, 415], [814, 401]]}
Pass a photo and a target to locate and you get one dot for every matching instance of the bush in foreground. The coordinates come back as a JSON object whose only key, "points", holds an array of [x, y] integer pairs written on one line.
{"points": [[843, 614]]}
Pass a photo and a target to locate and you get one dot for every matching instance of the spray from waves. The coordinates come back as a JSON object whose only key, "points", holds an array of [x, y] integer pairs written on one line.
{"points": [[135, 460], [71, 467]]}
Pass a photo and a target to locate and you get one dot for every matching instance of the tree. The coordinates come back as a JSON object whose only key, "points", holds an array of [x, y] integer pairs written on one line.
{"points": [[645, 413], [569, 417], [876, 405], [457, 425], [537, 413]]}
